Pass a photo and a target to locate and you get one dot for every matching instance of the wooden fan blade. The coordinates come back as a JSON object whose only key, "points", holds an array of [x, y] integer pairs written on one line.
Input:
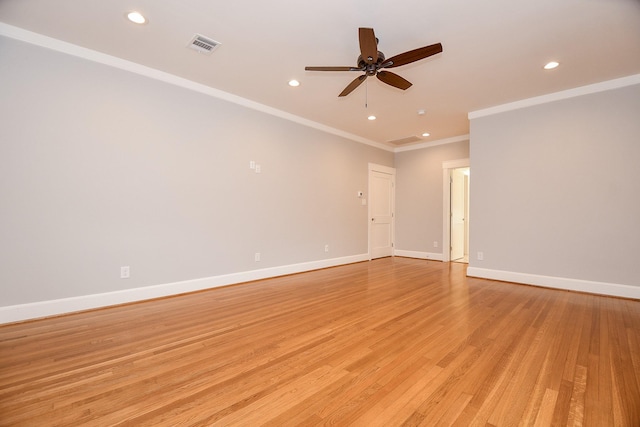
{"points": [[393, 79], [354, 84], [368, 45], [332, 69], [412, 56]]}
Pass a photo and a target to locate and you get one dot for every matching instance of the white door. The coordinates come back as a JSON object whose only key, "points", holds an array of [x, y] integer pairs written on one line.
{"points": [[457, 214], [381, 217]]}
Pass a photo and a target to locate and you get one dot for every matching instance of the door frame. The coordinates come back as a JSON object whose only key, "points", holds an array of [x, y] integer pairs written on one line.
{"points": [[373, 167], [446, 203]]}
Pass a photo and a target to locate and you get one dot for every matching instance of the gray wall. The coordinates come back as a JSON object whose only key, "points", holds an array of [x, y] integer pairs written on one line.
{"points": [[556, 188], [419, 195], [101, 168]]}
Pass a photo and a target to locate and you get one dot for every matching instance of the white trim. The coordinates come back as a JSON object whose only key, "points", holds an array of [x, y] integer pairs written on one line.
{"points": [[601, 288], [152, 73], [381, 168], [455, 164], [447, 166], [557, 96], [21, 312], [419, 255], [429, 144]]}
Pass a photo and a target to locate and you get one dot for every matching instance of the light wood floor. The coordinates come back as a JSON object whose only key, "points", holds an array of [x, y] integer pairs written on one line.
{"points": [[384, 343]]}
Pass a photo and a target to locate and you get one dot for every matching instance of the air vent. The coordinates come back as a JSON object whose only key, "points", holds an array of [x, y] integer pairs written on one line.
{"points": [[406, 140], [203, 44]]}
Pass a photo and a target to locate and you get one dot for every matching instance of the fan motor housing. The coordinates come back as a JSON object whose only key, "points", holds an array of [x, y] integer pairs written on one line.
{"points": [[371, 68]]}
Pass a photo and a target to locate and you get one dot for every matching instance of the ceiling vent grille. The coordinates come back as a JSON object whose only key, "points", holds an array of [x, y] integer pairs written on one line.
{"points": [[406, 140], [203, 44]]}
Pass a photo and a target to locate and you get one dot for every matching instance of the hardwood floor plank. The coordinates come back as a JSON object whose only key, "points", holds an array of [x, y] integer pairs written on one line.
{"points": [[545, 412], [576, 408], [625, 389], [391, 342], [563, 404]]}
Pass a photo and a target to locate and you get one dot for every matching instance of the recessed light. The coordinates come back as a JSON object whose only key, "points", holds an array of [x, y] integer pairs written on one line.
{"points": [[426, 134], [294, 83], [371, 117], [551, 65], [136, 17], [421, 112]]}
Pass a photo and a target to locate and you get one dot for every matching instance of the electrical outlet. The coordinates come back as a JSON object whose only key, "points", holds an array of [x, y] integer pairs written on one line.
{"points": [[435, 243], [125, 272], [258, 169], [326, 248], [480, 256], [256, 257]]}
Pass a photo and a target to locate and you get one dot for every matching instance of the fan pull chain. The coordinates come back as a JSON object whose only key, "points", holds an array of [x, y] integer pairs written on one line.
{"points": [[366, 94]]}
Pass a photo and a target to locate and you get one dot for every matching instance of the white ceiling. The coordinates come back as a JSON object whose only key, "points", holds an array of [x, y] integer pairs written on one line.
{"points": [[493, 51]]}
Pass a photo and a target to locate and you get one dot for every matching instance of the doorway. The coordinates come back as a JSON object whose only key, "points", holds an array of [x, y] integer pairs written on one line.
{"points": [[455, 210], [459, 214]]}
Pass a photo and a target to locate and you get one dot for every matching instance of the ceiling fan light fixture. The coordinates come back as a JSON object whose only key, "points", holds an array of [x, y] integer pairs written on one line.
{"points": [[136, 17], [551, 65]]}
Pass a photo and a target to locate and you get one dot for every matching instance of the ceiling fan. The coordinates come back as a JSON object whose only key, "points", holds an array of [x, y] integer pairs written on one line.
{"points": [[373, 62]]}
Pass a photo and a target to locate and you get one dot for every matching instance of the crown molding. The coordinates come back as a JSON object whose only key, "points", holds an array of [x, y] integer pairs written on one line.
{"points": [[433, 143], [152, 73], [557, 96]]}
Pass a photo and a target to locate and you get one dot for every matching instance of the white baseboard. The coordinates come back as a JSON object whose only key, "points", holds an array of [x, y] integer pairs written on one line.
{"points": [[21, 312], [419, 255], [601, 288]]}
